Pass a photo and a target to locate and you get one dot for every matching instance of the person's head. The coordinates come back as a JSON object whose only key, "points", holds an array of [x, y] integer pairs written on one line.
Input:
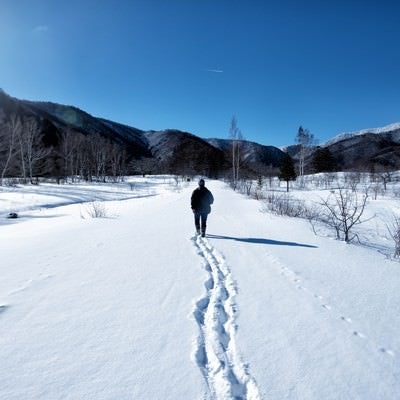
{"points": [[201, 183]]}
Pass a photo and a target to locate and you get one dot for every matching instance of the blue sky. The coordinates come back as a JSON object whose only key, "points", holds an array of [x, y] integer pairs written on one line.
{"points": [[330, 66]]}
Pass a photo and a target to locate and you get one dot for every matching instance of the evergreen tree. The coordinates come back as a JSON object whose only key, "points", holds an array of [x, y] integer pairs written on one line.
{"points": [[323, 160], [287, 171]]}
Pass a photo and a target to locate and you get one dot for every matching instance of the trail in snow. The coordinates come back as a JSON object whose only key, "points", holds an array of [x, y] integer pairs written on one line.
{"points": [[294, 277], [216, 352]]}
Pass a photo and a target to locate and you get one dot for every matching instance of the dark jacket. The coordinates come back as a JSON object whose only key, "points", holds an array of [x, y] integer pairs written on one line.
{"points": [[201, 200]]}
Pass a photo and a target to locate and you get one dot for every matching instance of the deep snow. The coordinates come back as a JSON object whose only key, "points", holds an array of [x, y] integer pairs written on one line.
{"points": [[134, 306]]}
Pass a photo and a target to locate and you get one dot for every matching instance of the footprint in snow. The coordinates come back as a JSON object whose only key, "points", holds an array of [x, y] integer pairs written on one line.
{"points": [[359, 334], [386, 351], [201, 307], [3, 308], [209, 284]]}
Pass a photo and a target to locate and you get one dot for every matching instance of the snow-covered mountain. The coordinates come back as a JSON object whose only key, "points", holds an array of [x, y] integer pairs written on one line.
{"points": [[364, 150], [392, 131], [173, 150], [367, 149]]}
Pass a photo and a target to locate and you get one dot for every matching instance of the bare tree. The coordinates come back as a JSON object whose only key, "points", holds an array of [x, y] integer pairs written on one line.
{"points": [[99, 152], [69, 148], [31, 147], [8, 143], [22, 151], [117, 162], [248, 184], [376, 189], [342, 211], [352, 180], [305, 139], [236, 138], [386, 176]]}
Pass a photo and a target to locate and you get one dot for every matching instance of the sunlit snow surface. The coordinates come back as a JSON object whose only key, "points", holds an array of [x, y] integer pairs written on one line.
{"points": [[134, 306]]}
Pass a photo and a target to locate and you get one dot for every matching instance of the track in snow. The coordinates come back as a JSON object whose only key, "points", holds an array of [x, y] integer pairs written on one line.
{"points": [[216, 351], [294, 277]]}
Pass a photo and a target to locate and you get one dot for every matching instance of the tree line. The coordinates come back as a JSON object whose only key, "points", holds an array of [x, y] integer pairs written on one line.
{"points": [[30, 149], [319, 159]]}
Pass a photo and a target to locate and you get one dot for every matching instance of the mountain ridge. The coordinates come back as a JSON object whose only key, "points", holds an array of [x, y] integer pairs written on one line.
{"points": [[175, 149]]}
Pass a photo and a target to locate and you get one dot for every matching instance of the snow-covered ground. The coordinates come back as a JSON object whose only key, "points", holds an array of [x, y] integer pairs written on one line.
{"points": [[47, 195], [133, 306]]}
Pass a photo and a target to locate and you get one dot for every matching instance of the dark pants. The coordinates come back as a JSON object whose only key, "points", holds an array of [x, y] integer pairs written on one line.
{"points": [[200, 217]]}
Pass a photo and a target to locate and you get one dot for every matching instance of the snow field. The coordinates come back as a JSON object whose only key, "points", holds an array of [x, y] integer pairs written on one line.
{"points": [[114, 319], [297, 295], [132, 306]]}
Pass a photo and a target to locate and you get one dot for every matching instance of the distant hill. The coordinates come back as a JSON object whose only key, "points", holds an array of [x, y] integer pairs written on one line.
{"points": [[256, 157], [363, 150], [175, 151], [170, 150], [69, 117], [184, 152]]}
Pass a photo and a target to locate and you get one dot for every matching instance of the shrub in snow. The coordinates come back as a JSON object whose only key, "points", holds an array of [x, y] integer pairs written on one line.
{"points": [[376, 189], [284, 204], [258, 194], [96, 209], [11, 182], [352, 180], [394, 231], [342, 210], [244, 186]]}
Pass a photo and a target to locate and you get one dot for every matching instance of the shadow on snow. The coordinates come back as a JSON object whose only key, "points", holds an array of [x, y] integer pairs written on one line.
{"points": [[261, 241]]}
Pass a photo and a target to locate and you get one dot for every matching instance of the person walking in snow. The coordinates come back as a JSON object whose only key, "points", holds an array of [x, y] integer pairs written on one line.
{"points": [[201, 201]]}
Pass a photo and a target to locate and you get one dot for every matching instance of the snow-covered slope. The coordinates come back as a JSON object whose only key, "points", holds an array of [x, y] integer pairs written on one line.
{"points": [[134, 307], [376, 131]]}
